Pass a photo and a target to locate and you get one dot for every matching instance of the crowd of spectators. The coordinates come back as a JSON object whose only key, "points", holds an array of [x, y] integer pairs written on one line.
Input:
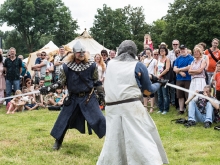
{"points": [[192, 70]]}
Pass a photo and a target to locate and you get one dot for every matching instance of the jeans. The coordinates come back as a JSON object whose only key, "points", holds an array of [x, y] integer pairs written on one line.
{"points": [[9, 84], [195, 115], [210, 74], [172, 93], [163, 99]]}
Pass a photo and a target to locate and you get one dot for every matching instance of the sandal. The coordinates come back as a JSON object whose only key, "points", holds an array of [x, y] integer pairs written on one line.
{"points": [[151, 109]]}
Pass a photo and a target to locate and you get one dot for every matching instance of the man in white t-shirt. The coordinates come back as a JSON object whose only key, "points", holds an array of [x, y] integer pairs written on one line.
{"points": [[42, 65], [171, 55], [58, 61]]}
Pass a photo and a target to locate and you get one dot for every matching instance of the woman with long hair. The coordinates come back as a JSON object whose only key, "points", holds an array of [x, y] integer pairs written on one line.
{"points": [[29, 85], [162, 68], [2, 79], [101, 66], [150, 63]]}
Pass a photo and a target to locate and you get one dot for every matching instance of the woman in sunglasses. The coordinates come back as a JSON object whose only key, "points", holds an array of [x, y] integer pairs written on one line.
{"points": [[28, 84]]}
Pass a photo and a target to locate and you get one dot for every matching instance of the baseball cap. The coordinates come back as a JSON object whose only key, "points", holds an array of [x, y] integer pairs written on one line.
{"points": [[182, 46]]}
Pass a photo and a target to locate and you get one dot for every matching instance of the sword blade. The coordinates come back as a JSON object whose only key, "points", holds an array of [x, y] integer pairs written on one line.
{"points": [[24, 94]]}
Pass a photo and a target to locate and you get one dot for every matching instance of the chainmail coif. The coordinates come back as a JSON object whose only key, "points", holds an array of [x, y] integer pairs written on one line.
{"points": [[127, 51]]}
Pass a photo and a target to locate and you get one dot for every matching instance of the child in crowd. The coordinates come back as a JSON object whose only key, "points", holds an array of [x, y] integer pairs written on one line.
{"points": [[16, 104], [47, 99], [38, 97], [31, 103], [217, 80], [58, 97], [47, 78]]}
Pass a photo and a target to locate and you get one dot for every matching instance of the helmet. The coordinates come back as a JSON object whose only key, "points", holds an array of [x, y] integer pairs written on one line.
{"points": [[78, 47]]}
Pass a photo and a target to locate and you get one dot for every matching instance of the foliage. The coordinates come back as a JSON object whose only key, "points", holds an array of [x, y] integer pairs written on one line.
{"points": [[110, 27], [136, 22], [34, 18], [193, 21], [158, 33], [14, 39], [114, 26], [25, 139]]}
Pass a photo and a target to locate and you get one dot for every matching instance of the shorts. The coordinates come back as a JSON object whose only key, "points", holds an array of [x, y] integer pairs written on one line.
{"points": [[180, 93], [151, 95], [30, 105]]}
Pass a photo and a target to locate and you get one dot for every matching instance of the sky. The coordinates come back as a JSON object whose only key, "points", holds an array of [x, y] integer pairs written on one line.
{"points": [[84, 11]]}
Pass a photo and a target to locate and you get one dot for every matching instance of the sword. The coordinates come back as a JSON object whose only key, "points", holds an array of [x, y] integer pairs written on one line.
{"points": [[193, 92], [24, 94]]}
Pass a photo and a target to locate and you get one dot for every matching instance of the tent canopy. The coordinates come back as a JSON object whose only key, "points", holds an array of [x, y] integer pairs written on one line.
{"points": [[92, 46]]}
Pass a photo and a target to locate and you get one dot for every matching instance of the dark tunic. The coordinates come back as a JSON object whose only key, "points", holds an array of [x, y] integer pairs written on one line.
{"points": [[74, 115]]}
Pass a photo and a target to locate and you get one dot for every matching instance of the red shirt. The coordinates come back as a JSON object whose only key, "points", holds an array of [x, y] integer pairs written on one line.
{"points": [[217, 79], [212, 62]]}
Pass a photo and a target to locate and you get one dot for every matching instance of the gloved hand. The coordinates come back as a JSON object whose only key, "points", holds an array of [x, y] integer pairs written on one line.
{"points": [[163, 82], [154, 79], [44, 90]]}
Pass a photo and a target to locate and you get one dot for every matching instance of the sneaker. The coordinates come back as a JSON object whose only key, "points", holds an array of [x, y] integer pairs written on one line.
{"points": [[207, 124], [190, 123], [164, 112], [158, 111], [180, 113], [217, 127]]}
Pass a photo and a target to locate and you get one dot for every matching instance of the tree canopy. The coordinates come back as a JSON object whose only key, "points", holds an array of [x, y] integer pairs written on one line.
{"points": [[34, 18], [193, 21]]}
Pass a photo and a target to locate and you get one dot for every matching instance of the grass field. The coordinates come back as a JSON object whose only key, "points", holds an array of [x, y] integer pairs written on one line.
{"points": [[25, 140]]}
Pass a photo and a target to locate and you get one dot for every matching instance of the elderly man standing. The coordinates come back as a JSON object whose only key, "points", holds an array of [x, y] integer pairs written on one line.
{"points": [[13, 69], [131, 135], [172, 56]]}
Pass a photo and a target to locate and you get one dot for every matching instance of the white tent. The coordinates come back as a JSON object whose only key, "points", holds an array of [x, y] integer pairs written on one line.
{"points": [[49, 48], [92, 46]]}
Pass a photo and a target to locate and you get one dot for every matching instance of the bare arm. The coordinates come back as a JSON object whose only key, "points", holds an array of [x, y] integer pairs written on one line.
{"points": [[197, 71], [167, 67]]}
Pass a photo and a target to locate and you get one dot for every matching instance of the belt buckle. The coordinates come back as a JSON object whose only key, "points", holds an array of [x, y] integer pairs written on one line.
{"points": [[81, 94]]}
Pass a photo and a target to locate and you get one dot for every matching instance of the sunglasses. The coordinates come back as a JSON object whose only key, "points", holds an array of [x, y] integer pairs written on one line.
{"points": [[43, 54], [156, 54], [175, 44], [177, 53]]}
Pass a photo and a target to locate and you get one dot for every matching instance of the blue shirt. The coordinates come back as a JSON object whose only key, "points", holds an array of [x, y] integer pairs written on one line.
{"points": [[143, 81], [183, 61]]}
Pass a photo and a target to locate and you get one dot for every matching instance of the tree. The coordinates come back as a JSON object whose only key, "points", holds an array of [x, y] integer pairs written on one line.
{"points": [[14, 39], [110, 27], [158, 33], [193, 21], [137, 24], [34, 18]]}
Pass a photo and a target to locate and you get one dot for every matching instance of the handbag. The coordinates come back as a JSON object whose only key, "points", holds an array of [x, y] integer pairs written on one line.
{"points": [[169, 75]]}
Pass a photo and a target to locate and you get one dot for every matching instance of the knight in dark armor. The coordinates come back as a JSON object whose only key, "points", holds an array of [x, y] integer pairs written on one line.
{"points": [[80, 75]]}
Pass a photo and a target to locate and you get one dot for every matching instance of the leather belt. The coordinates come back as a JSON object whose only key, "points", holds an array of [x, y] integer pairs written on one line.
{"points": [[80, 94], [123, 101]]}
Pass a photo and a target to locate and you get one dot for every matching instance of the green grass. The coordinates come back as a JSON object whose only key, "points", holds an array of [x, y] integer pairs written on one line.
{"points": [[25, 140]]}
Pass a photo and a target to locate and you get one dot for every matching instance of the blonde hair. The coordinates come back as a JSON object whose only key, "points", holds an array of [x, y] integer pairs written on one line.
{"points": [[101, 62], [147, 35], [197, 48], [71, 57]]}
